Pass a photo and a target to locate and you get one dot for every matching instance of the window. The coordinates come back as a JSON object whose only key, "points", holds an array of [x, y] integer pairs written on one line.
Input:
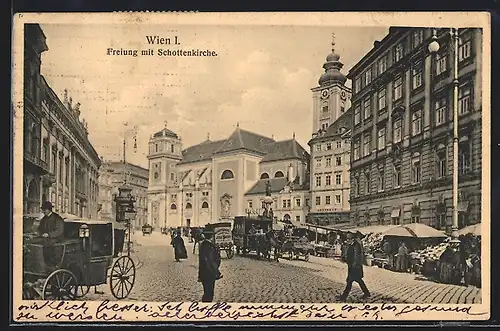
{"points": [[355, 185], [441, 221], [318, 148], [381, 138], [342, 106], [367, 183], [357, 118], [172, 176], [328, 162], [418, 37], [61, 169], [279, 174], [398, 88], [367, 141], [297, 202], [172, 148], [337, 199], [382, 64], [156, 147], [297, 218], [416, 122], [339, 144], [189, 195], [173, 197], [324, 126], [327, 200], [440, 108], [416, 75], [464, 47], [328, 146], [398, 52], [204, 205], [356, 149], [338, 179], [415, 219], [357, 85], [286, 203], [464, 156], [382, 101], [227, 174], [173, 206], [325, 107], [416, 170], [205, 193], [318, 201], [328, 180], [397, 175], [380, 180], [368, 76], [338, 160], [66, 179], [397, 130], [265, 175], [318, 163], [250, 204], [441, 64], [189, 205], [46, 152], [464, 99], [367, 111], [441, 161], [318, 181]]}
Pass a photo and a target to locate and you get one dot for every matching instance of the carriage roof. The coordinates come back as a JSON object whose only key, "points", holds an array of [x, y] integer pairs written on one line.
{"points": [[219, 225]]}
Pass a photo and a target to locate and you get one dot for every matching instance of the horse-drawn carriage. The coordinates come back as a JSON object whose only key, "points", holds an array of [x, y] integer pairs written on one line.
{"points": [[86, 255], [251, 234], [223, 239], [147, 229], [297, 245]]}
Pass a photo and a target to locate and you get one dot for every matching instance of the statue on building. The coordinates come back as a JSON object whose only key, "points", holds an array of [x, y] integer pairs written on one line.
{"points": [[268, 188]]}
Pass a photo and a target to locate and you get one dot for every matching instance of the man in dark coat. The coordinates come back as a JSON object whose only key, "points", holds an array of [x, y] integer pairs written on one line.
{"points": [[354, 259], [209, 263], [180, 251], [51, 229]]}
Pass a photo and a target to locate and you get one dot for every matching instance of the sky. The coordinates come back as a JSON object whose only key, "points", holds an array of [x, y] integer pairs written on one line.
{"points": [[261, 79]]}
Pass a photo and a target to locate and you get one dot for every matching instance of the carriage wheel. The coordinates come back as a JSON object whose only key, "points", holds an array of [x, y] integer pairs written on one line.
{"points": [[230, 253], [122, 277], [60, 285], [82, 291], [306, 257]]}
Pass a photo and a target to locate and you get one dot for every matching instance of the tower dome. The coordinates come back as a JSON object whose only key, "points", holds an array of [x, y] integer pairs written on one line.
{"points": [[332, 68]]}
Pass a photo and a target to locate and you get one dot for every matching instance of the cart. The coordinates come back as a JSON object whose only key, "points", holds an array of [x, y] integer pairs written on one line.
{"points": [[222, 237], [249, 234], [297, 245], [86, 255], [147, 229]]}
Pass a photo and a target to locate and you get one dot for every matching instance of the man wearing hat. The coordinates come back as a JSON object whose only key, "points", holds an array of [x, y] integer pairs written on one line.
{"points": [[52, 224], [209, 263], [354, 257]]}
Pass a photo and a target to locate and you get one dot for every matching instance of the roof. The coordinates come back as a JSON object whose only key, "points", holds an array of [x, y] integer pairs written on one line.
{"points": [[334, 130], [283, 150], [165, 133], [277, 185], [246, 140], [201, 152]]}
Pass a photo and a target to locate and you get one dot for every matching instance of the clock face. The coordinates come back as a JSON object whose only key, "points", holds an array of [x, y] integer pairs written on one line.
{"points": [[324, 94], [343, 95]]}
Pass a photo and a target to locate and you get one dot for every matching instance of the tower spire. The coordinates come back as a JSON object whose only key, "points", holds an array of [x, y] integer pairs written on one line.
{"points": [[333, 42], [165, 123]]}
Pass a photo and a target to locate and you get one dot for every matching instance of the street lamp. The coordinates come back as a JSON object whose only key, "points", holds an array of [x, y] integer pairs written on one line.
{"points": [[433, 48], [134, 131]]}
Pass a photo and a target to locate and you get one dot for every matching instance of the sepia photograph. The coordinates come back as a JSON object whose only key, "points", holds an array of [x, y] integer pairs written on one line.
{"points": [[229, 160]]}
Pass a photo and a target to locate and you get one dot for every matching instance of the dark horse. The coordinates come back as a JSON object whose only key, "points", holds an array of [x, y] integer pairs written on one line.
{"points": [[272, 239]]}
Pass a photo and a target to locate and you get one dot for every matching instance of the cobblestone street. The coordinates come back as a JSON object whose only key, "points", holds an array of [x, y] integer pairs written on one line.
{"points": [[246, 279]]}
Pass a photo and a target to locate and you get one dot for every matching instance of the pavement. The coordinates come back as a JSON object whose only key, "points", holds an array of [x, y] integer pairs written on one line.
{"points": [[247, 279]]}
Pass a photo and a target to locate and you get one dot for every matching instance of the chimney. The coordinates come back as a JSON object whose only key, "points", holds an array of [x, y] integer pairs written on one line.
{"points": [[291, 174]]}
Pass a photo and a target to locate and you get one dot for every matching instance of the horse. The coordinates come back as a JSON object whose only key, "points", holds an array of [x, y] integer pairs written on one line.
{"points": [[271, 239]]}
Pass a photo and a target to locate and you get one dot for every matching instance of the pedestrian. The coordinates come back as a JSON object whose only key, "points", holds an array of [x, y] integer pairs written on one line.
{"points": [[354, 257], [51, 229], [402, 258], [180, 251], [209, 263]]}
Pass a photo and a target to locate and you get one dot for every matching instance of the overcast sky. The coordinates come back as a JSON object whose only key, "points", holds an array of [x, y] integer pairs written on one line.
{"points": [[261, 78]]}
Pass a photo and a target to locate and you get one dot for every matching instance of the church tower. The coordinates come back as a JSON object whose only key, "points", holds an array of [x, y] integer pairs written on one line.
{"points": [[165, 151], [331, 98]]}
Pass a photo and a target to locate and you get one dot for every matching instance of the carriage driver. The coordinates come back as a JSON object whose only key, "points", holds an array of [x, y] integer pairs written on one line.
{"points": [[52, 224]]}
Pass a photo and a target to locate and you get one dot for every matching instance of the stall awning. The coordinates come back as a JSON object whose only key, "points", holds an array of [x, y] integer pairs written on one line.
{"points": [[317, 229], [296, 223], [396, 212]]}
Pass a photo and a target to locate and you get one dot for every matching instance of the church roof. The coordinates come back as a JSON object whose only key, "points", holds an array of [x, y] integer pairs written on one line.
{"points": [[201, 152], [165, 133], [277, 185], [283, 150], [245, 140]]}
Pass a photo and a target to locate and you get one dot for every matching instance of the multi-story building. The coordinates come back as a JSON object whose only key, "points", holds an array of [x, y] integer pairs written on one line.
{"points": [[402, 136], [114, 174], [60, 164], [208, 182], [35, 167], [330, 146]]}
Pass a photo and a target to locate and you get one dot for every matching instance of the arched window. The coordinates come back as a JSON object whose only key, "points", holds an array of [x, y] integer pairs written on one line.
{"points": [[279, 174], [265, 175], [227, 174], [204, 205], [286, 217], [189, 206], [173, 206]]}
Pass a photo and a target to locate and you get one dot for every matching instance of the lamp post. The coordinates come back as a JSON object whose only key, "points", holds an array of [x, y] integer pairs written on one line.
{"points": [[434, 48], [133, 130]]}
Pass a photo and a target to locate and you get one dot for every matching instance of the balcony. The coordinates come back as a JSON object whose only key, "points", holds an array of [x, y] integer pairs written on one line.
{"points": [[37, 162]]}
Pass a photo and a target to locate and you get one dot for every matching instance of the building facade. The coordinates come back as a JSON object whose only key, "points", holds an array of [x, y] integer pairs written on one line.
{"points": [[114, 174], [330, 146], [207, 182], [402, 136], [60, 163]]}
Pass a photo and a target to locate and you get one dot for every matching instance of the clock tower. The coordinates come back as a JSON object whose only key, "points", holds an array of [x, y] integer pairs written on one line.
{"points": [[331, 98]]}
